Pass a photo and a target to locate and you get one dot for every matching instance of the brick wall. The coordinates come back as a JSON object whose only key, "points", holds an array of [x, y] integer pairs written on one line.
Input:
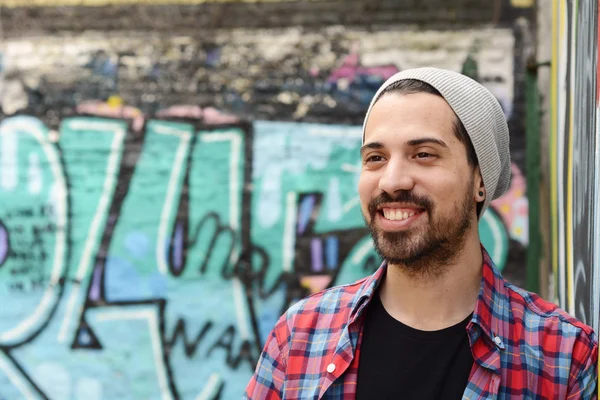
{"points": [[173, 177]]}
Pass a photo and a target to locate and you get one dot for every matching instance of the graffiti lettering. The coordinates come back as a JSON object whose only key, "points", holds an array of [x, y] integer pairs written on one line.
{"points": [[180, 331], [224, 340], [202, 264]]}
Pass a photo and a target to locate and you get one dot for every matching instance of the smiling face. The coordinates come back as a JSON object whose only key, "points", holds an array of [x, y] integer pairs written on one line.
{"points": [[417, 190]]}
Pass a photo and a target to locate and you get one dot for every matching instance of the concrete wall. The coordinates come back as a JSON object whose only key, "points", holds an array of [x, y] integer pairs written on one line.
{"points": [[166, 193]]}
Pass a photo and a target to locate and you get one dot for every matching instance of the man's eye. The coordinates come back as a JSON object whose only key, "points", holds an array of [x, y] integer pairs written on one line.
{"points": [[374, 159], [423, 155]]}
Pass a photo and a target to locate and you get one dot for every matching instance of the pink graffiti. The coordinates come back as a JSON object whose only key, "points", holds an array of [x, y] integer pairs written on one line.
{"points": [[513, 207], [113, 110], [351, 68], [315, 283], [209, 115], [183, 111], [4, 243]]}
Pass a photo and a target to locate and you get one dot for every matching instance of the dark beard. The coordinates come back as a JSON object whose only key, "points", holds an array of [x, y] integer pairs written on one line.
{"points": [[429, 250]]}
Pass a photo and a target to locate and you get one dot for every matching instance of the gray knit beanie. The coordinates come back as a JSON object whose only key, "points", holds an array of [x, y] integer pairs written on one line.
{"points": [[482, 117]]}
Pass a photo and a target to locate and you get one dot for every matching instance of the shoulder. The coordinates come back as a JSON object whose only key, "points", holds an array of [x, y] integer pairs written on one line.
{"points": [[338, 300], [328, 309], [545, 350], [549, 323]]}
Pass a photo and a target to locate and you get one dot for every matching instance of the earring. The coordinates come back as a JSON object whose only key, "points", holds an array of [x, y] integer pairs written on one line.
{"points": [[481, 193]]}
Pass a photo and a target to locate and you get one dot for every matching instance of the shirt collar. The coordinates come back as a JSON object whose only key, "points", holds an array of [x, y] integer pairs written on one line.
{"points": [[366, 291], [491, 312]]}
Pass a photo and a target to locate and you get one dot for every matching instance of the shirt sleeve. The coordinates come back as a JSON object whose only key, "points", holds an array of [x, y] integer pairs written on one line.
{"points": [[583, 383], [268, 380]]}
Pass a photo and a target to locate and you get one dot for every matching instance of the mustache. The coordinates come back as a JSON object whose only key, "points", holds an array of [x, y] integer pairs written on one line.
{"points": [[401, 196]]}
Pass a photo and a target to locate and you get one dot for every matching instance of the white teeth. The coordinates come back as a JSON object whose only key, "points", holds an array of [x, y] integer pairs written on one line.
{"points": [[397, 215]]}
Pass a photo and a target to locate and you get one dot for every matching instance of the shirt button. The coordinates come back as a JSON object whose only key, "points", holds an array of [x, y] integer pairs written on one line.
{"points": [[498, 341], [331, 368]]}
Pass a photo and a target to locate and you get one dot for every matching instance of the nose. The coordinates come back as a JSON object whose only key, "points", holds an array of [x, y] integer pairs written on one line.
{"points": [[397, 176]]}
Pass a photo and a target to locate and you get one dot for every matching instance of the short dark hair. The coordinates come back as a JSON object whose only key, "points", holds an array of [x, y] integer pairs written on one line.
{"points": [[410, 86]]}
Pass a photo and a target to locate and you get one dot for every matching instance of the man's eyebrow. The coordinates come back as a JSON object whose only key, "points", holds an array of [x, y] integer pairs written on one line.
{"points": [[372, 145], [425, 140]]}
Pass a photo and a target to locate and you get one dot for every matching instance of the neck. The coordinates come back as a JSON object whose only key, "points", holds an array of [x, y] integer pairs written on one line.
{"points": [[433, 302]]}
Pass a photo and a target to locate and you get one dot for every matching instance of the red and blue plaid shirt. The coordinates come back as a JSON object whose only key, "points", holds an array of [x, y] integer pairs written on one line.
{"points": [[523, 346]]}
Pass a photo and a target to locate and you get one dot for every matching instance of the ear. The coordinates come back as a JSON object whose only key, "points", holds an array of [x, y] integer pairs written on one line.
{"points": [[478, 186]]}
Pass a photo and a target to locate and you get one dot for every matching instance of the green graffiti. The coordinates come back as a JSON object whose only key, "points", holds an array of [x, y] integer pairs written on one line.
{"points": [[153, 264], [34, 216]]}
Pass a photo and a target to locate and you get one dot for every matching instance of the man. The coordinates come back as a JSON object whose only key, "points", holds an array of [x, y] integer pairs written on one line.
{"points": [[437, 320]]}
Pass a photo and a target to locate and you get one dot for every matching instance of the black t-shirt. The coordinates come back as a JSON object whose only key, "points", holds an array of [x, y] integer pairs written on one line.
{"points": [[400, 362]]}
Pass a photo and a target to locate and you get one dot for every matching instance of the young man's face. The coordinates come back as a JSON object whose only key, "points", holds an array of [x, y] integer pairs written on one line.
{"points": [[416, 188]]}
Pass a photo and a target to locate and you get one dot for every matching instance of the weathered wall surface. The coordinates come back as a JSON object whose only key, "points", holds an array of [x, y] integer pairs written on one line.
{"points": [[575, 160], [166, 193]]}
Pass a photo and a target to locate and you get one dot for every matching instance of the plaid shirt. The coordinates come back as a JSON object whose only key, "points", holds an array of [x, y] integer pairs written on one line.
{"points": [[523, 346]]}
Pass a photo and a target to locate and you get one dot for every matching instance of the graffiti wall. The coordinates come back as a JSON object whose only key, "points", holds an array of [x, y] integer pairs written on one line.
{"points": [[165, 198], [575, 160]]}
